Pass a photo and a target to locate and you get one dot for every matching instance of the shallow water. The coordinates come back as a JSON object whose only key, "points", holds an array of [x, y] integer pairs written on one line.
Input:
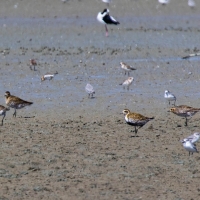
{"points": [[151, 44]]}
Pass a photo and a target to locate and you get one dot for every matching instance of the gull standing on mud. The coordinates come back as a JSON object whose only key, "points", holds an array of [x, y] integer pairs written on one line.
{"points": [[3, 112], [184, 111], [105, 18], [170, 97], [126, 68], [189, 146], [127, 82], [48, 76], [135, 119], [15, 102], [90, 90]]}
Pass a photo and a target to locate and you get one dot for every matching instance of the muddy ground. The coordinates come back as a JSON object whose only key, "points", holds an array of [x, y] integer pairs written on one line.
{"points": [[66, 146]]}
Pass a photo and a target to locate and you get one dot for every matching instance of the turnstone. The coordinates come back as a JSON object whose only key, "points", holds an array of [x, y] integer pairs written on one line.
{"points": [[90, 90], [3, 112], [164, 2], [169, 96], [127, 82], [126, 68], [184, 111], [193, 138], [105, 18], [48, 76], [189, 146], [135, 119], [15, 102], [33, 63]]}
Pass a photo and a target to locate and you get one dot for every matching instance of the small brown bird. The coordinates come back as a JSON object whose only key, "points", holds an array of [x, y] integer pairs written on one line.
{"points": [[135, 119], [15, 102], [184, 111], [3, 112], [33, 63]]}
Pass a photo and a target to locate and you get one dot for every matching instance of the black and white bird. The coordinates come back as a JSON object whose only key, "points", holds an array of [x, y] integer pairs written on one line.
{"points": [[105, 18]]}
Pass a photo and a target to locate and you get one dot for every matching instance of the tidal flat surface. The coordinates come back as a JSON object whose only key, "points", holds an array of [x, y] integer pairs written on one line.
{"points": [[68, 146]]}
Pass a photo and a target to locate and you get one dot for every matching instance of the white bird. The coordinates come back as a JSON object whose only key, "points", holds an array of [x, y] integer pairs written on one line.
{"points": [[127, 82], [164, 2], [126, 68], [169, 96], [105, 18], [191, 3], [3, 113], [48, 76], [90, 90], [193, 138], [107, 1], [189, 146]]}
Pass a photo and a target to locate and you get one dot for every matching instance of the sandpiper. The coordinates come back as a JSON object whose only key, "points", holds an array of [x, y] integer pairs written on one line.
{"points": [[189, 146], [90, 90], [126, 68], [33, 63], [48, 76], [3, 112], [184, 111]]}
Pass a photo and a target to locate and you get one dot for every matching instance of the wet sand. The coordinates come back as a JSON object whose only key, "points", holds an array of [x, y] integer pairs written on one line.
{"points": [[66, 146]]}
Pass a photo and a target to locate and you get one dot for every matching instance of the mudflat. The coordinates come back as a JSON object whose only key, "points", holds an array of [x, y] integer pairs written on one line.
{"points": [[67, 146]]}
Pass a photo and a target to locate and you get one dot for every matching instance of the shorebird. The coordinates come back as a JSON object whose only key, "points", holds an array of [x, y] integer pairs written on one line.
{"points": [[184, 111], [15, 102], [3, 112], [48, 76], [105, 18], [164, 2], [191, 3], [135, 119], [126, 68], [90, 90], [107, 2], [189, 146], [193, 138], [169, 96], [127, 82], [33, 63]]}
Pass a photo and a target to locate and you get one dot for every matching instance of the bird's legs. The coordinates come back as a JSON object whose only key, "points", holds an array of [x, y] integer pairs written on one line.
{"points": [[106, 31], [2, 120], [14, 114], [186, 121]]}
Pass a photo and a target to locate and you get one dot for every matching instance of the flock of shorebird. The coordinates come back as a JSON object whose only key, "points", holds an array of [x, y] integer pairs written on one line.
{"points": [[134, 119], [138, 120]]}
